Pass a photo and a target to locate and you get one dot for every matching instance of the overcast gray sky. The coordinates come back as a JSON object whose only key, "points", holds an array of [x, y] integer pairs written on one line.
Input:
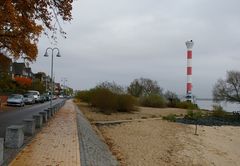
{"points": [[120, 40]]}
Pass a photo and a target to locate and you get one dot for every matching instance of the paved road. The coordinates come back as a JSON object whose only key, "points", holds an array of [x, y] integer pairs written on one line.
{"points": [[16, 116]]}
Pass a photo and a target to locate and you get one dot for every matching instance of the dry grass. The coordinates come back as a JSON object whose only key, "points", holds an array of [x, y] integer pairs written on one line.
{"points": [[142, 113]]}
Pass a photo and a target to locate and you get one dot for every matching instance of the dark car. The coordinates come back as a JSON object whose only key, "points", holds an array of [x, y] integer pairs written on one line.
{"points": [[15, 100], [46, 96]]}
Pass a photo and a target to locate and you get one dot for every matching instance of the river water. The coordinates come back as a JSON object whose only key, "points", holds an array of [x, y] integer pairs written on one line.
{"points": [[207, 104]]}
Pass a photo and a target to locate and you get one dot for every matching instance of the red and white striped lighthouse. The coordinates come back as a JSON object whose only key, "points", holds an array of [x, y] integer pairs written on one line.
{"points": [[189, 45]]}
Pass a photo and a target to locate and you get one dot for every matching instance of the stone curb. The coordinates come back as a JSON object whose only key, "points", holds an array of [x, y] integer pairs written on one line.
{"points": [[116, 122]]}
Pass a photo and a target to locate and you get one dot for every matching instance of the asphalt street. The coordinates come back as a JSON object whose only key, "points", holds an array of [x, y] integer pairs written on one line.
{"points": [[16, 115]]}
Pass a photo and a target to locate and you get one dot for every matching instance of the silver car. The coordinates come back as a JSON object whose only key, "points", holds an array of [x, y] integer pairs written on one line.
{"points": [[15, 100], [28, 98], [36, 95]]}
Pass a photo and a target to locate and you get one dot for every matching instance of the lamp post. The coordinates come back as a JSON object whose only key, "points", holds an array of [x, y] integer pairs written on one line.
{"points": [[46, 55], [64, 85]]}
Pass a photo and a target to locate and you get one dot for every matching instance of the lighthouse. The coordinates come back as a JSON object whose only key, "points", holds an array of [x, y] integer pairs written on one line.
{"points": [[189, 45]]}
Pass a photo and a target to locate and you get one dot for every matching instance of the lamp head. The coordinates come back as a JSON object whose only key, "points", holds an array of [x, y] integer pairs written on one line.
{"points": [[46, 54], [58, 54]]}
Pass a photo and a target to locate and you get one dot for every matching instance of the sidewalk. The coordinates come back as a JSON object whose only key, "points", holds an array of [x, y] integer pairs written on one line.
{"points": [[56, 144]]}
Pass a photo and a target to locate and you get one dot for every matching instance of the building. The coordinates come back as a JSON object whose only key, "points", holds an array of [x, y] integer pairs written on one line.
{"points": [[40, 75], [22, 74], [46, 80], [29, 72], [5, 64], [19, 70], [57, 89]]}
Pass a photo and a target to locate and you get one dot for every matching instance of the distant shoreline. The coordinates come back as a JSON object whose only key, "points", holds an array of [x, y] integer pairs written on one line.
{"points": [[207, 105]]}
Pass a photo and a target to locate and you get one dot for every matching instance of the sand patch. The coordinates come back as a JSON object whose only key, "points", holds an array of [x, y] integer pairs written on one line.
{"points": [[157, 142]]}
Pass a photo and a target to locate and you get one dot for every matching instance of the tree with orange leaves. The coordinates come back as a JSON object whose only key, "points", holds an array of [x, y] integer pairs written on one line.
{"points": [[23, 21]]}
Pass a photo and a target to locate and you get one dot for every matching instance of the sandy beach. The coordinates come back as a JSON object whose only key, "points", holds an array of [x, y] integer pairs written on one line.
{"points": [[157, 142]]}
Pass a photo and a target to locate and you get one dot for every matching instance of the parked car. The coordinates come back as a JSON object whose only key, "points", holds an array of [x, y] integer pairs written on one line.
{"points": [[54, 97], [42, 99], [28, 98], [15, 100], [61, 96], [47, 96], [36, 95]]}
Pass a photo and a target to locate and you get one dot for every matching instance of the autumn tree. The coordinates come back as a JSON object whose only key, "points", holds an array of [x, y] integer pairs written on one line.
{"points": [[228, 89], [22, 22]]}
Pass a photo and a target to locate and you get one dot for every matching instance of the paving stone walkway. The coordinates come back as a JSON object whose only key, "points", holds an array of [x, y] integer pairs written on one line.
{"points": [[57, 144]]}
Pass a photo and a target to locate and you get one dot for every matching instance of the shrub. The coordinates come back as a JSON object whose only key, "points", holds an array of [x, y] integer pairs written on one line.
{"points": [[104, 99], [172, 103], [153, 101], [84, 96], [189, 114], [193, 115], [218, 111], [170, 117], [236, 115], [9, 86], [186, 105], [107, 101], [126, 103], [172, 99]]}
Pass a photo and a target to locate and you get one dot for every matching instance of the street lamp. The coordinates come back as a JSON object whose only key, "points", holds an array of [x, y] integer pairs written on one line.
{"points": [[46, 55], [64, 85]]}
